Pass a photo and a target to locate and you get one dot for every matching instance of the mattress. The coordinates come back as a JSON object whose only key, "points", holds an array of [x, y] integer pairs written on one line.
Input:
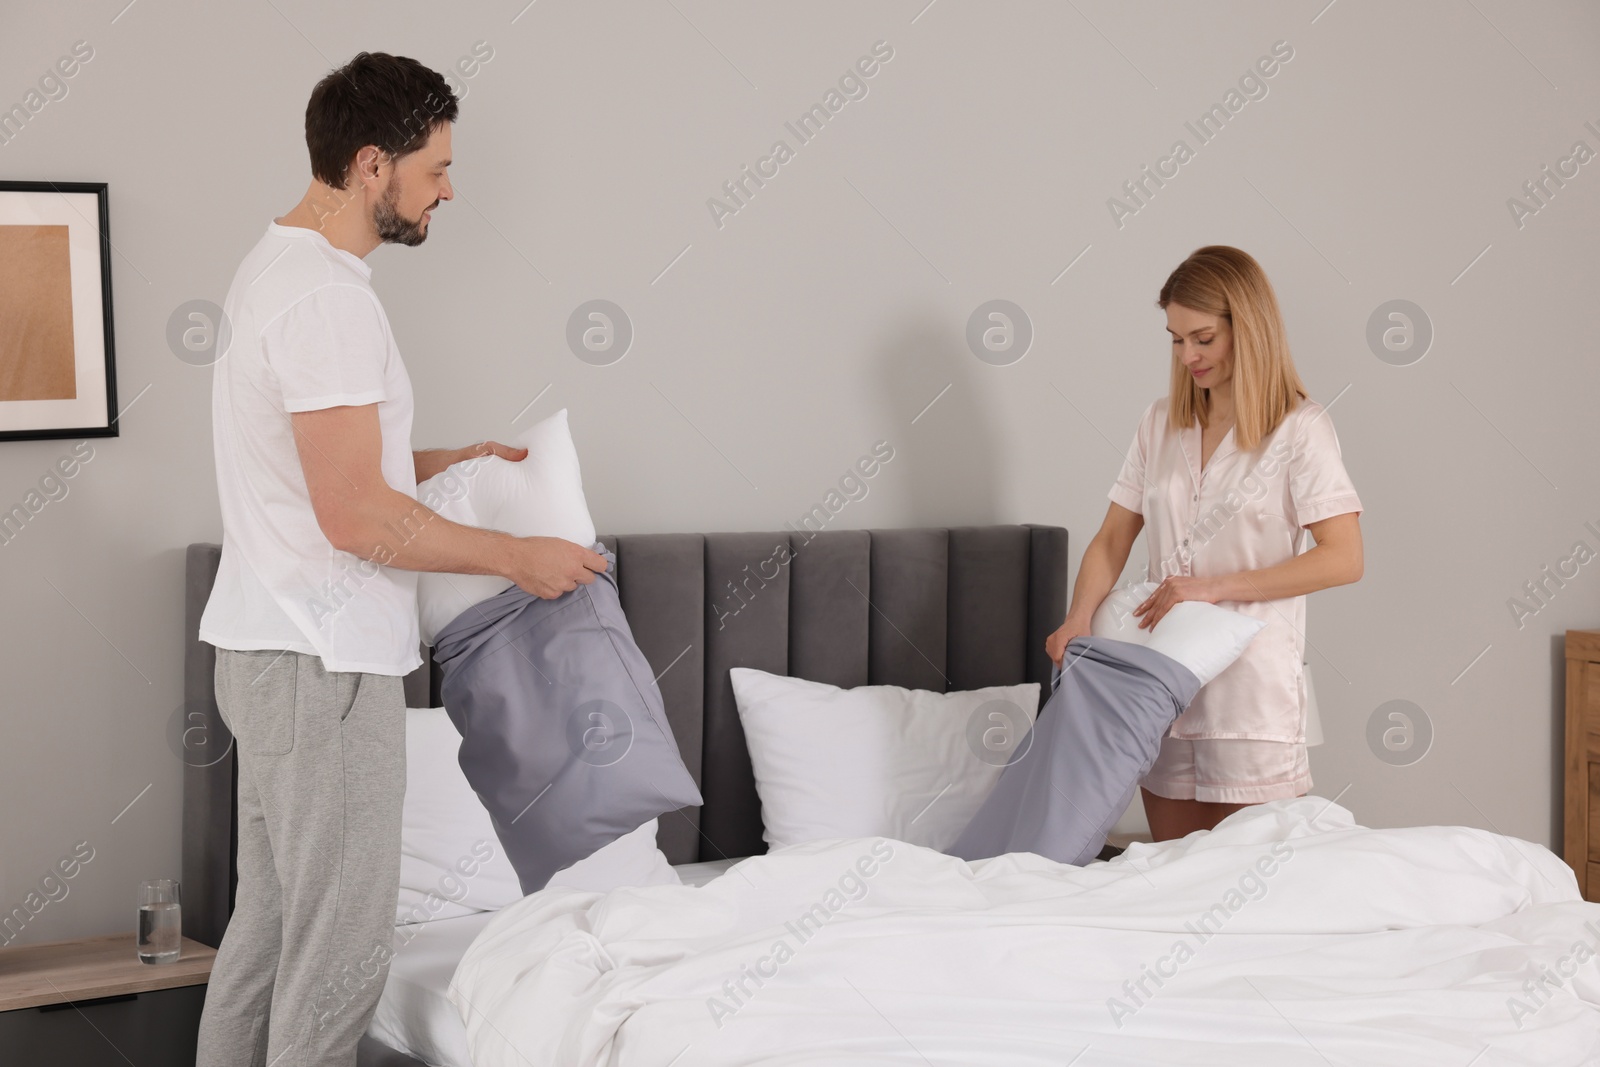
{"points": [[413, 1014]]}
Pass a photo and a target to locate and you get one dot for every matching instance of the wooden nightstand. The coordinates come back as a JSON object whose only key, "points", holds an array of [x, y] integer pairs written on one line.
{"points": [[1582, 847], [90, 1002]]}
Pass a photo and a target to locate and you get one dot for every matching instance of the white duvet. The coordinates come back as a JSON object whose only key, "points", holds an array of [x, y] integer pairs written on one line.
{"points": [[1288, 935]]}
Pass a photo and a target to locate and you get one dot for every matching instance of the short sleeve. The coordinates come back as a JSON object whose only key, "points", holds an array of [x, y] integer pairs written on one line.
{"points": [[329, 350], [1319, 486], [1128, 490]]}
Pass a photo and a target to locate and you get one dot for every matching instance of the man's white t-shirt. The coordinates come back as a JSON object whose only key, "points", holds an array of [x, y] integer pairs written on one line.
{"points": [[308, 332]]}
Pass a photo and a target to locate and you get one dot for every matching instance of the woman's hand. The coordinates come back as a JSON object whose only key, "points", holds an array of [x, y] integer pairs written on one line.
{"points": [[1173, 590], [1055, 646]]}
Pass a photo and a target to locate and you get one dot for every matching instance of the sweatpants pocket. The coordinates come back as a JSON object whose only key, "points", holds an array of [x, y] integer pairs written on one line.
{"points": [[260, 690], [364, 695]]}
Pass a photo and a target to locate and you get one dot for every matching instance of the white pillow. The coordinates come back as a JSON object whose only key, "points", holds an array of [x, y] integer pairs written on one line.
{"points": [[632, 859], [540, 495], [451, 862], [876, 760], [1201, 636]]}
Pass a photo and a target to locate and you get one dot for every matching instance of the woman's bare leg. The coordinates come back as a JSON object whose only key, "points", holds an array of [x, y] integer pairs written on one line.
{"points": [[1171, 819]]}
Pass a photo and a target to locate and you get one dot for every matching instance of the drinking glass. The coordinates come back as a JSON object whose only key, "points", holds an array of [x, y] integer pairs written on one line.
{"points": [[160, 921]]}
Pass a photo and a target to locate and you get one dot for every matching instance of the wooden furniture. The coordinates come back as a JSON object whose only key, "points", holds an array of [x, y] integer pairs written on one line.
{"points": [[91, 1001], [1582, 849]]}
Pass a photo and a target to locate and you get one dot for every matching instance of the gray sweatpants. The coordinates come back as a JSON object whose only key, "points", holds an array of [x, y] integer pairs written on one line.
{"points": [[322, 775]]}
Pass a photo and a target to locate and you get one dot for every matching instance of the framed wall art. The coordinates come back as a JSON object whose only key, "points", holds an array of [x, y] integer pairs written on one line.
{"points": [[57, 365]]}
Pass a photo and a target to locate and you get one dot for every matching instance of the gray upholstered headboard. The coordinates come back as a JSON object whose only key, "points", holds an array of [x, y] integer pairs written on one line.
{"points": [[939, 609]]}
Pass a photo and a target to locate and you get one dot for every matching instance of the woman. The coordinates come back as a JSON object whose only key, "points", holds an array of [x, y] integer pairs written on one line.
{"points": [[1223, 475]]}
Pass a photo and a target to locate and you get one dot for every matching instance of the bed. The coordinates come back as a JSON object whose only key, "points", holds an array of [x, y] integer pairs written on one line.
{"points": [[925, 608], [1288, 935]]}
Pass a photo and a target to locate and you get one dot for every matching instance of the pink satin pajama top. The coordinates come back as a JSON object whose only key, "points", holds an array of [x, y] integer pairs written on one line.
{"points": [[1244, 511]]}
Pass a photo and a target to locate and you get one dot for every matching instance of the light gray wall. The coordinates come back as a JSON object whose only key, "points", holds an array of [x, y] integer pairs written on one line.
{"points": [[828, 313]]}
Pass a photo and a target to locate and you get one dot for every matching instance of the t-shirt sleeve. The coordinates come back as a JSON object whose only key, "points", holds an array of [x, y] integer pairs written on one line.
{"points": [[1128, 489], [1319, 486], [329, 350]]}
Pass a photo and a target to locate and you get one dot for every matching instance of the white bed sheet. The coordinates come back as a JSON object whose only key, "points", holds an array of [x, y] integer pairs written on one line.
{"points": [[1332, 944], [413, 1014]]}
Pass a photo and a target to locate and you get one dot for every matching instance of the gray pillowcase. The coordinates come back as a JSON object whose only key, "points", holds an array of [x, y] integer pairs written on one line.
{"points": [[1074, 775], [563, 733]]}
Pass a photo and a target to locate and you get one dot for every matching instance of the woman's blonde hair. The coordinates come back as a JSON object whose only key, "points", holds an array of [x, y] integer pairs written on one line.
{"points": [[1229, 283]]}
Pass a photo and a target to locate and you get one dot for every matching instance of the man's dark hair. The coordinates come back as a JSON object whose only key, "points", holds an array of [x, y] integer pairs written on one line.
{"points": [[390, 101]]}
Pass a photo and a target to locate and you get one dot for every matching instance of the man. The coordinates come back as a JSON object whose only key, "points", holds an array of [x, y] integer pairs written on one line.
{"points": [[314, 610]]}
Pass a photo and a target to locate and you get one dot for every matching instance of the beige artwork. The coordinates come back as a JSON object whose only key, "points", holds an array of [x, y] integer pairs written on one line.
{"points": [[36, 354]]}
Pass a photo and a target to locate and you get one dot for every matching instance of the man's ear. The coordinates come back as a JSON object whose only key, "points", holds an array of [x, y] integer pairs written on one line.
{"points": [[369, 164]]}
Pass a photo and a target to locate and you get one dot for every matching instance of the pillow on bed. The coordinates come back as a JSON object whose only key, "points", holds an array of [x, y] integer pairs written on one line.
{"points": [[451, 862], [540, 495], [1201, 636], [876, 760]]}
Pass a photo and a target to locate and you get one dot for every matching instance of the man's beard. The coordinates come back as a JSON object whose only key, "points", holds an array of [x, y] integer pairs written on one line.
{"points": [[394, 227]]}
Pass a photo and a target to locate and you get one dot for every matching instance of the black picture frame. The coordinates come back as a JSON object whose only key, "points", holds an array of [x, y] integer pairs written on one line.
{"points": [[101, 191]]}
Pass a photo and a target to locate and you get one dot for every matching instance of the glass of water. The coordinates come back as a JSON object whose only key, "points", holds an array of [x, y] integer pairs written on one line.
{"points": [[160, 922]]}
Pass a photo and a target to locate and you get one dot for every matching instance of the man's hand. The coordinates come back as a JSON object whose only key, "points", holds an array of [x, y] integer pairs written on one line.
{"points": [[493, 448], [430, 461], [550, 566]]}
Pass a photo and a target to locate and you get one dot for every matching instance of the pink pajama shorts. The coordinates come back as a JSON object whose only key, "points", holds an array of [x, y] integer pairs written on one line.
{"points": [[1228, 770]]}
